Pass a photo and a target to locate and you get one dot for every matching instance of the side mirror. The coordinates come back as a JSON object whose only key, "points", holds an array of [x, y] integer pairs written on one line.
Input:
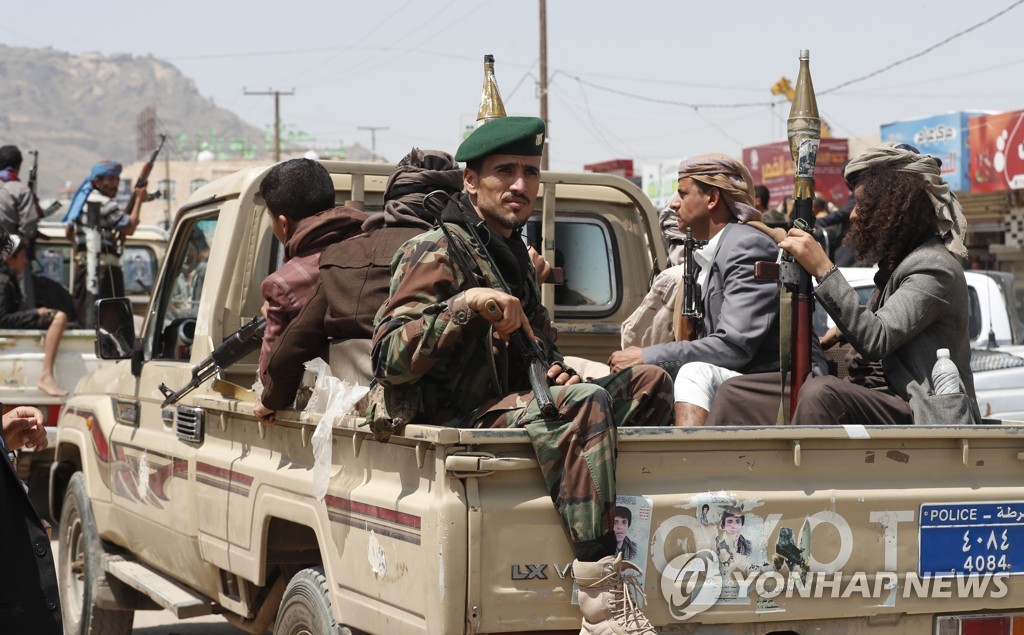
{"points": [[115, 329]]}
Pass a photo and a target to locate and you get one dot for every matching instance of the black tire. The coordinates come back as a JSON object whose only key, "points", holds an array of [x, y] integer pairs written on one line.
{"points": [[306, 607], [79, 572], [53, 296]]}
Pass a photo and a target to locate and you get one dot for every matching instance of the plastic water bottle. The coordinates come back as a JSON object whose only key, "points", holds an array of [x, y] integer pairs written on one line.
{"points": [[945, 376]]}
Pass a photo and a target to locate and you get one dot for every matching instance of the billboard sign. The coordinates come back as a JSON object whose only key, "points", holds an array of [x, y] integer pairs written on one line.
{"points": [[660, 180], [772, 165], [997, 152], [942, 136]]}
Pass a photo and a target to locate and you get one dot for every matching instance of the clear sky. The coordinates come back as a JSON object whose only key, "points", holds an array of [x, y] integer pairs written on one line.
{"points": [[415, 66]]}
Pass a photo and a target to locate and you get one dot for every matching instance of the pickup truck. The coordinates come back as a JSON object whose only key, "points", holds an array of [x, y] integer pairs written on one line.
{"points": [[198, 508], [21, 350]]}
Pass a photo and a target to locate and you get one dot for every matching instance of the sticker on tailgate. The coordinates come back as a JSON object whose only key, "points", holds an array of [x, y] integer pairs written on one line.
{"points": [[971, 538]]}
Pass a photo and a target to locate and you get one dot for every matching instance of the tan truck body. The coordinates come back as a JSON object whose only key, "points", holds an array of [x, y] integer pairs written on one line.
{"points": [[197, 508]]}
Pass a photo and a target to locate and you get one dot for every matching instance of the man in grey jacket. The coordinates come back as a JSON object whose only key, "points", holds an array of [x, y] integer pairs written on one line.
{"points": [[741, 314]]}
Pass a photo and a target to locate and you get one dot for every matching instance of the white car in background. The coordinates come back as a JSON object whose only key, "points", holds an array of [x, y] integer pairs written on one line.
{"points": [[996, 336]]}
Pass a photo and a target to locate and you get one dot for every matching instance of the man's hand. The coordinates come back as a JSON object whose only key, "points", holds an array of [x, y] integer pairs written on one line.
{"points": [[561, 375], [620, 360], [830, 338], [502, 310], [542, 266], [807, 251], [264, 414], [23, 427]]}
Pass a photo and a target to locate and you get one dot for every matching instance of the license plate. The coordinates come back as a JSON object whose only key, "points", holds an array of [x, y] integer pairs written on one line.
{"points": [[971, 538]]}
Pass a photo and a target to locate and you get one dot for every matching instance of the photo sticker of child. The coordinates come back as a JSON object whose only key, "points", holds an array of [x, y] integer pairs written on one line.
{"points": [[620, 525], [732, 528]]}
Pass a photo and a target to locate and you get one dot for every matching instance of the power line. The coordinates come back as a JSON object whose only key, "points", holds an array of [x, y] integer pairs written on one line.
{"points": [[669, 102], [697, 106], [927, 50]]}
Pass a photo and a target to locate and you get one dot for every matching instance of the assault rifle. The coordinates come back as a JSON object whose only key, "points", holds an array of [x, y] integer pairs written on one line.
{"points": [[33, 173], [688, 318], [33, 180], [144, 175], [536, 364], [242, 342]]}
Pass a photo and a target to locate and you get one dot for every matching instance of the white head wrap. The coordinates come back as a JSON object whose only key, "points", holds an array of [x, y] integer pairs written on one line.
{"points": [[948, 211]]}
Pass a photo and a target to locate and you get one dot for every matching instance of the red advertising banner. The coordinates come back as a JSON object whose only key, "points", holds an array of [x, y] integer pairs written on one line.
{"points": [[997, 152], [772, 165]]}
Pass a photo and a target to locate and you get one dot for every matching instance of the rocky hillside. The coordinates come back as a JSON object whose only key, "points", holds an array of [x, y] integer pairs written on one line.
{"points": [[78, 109]]}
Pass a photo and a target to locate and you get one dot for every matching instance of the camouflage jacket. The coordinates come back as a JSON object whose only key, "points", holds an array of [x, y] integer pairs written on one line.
{"points": [[434, 358]]}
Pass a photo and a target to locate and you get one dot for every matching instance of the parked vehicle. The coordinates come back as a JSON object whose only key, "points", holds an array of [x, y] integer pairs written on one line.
{"points": [[997, 359], [197, 508], [21, 350], [992, 315]]}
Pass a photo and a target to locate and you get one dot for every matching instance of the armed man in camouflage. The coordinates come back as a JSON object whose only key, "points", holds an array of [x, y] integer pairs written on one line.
{"points": [[439, 356]]}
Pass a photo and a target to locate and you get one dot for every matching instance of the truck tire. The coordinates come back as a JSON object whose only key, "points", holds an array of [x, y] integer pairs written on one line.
{"points": [[79, 569], [306, 607]]}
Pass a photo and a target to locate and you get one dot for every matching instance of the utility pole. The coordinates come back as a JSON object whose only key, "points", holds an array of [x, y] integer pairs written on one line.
{"points": [[544, 81], [373, 137], [277, 116]]}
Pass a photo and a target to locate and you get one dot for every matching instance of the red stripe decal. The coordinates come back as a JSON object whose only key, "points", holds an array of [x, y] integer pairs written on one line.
{"points": [[220, 472], [373, 511]]}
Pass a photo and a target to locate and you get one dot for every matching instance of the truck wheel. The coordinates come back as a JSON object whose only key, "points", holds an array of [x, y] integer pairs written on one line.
{"points": [[79, 569], [306, 607]]}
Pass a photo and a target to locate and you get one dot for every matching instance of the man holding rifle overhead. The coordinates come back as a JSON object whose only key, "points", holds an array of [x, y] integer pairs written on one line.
{"points": [[98, 224], [441, 353]]}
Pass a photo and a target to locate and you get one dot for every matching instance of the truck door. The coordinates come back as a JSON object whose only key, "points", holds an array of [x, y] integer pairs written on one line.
{"points": [[158, 454]]}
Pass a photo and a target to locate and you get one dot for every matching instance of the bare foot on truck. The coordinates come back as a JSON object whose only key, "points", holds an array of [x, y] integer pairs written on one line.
{"points": [[49, 385]]}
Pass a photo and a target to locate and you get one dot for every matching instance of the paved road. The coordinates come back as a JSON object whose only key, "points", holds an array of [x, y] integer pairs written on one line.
{"points": [[164, 622]]}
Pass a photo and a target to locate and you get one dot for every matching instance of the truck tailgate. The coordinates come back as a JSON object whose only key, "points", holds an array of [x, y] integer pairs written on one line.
{"points": [[833, 522]]}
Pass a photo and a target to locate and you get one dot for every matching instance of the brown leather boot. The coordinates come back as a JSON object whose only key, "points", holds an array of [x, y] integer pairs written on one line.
{"points": [[609, 589]]}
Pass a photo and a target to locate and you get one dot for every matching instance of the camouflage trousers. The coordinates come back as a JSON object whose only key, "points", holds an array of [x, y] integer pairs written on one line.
{"points": [[577, 449]]}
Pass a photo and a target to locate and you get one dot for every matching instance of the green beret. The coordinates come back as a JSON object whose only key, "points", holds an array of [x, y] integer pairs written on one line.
{"points": [[523, 136]]}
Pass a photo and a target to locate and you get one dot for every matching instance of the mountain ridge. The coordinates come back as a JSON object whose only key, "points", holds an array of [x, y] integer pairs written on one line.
{"points": [[76, 109]]}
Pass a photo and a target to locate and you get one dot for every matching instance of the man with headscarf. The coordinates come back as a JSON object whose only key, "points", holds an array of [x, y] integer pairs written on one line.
{"points": [[741, 314], [99, 226], [908, 220], [354, 276]]}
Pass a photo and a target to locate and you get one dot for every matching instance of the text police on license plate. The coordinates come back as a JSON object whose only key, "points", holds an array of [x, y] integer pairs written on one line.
{"points": [[971, 538]]}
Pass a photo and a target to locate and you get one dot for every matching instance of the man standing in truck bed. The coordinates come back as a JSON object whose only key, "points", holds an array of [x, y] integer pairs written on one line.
{"points": [[436, 360], [97, 224]]}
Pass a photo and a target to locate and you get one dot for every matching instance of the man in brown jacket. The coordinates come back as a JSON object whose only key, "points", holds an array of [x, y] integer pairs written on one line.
{"points": [[355, 275], [299, 195]]}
